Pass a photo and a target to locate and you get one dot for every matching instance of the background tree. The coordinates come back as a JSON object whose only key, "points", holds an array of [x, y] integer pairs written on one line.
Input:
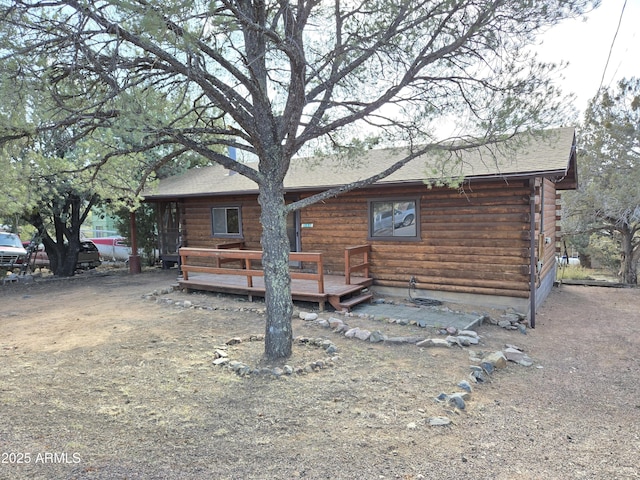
{"points": [[286, 76], [56, 172], [55, 205], [146, 230], [607, 203], [146, 220], [53, 187]]}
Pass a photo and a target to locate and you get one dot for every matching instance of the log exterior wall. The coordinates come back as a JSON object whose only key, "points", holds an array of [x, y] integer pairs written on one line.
{"points": [[476, 240], [196, 221], [546, 224], [548, 241]]}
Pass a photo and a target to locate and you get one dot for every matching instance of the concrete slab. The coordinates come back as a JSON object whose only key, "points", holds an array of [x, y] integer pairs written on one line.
{"points": [[430, 316]]}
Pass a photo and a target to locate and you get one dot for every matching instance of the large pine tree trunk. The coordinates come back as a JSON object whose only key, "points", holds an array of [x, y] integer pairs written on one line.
{"points": [[67, 218], [68, 266], [63, 257], [277, 279]]}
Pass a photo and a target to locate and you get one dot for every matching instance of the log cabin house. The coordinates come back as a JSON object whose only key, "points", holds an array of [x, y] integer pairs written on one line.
{"points": [[490, 242]]}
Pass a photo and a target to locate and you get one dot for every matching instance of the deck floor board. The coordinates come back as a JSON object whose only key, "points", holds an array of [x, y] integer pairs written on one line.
{"points": [[303, 290]]}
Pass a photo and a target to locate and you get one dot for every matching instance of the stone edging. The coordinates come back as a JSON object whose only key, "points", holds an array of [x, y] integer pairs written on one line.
{"points": [[481, 368], [242, 369]]}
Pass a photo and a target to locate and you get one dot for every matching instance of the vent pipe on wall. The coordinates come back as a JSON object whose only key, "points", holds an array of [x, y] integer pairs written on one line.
{"points": [[232, 156]]}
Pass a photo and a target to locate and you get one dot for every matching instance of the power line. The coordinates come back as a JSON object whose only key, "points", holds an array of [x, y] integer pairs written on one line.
{"points": [[606, 65]]}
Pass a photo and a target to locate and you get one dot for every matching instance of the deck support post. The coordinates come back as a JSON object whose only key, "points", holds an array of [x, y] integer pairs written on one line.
{"points": [[134, 259]]}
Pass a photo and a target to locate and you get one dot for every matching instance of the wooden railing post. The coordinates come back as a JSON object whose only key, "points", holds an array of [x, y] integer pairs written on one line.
{"points": [[349, 269], [247, 267], [320, 268], [183, 261], [347, 266], [366, 262]]}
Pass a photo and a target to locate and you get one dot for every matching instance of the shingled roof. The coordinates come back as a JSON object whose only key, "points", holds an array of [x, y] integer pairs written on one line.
{"points": [[551, 154]]}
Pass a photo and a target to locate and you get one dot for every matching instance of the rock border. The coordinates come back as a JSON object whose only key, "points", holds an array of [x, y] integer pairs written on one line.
{"points": [[222, 358], [482, 364]]}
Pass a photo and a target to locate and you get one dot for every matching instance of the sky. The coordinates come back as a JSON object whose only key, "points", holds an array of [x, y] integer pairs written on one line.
{"points": [[585, 43]]}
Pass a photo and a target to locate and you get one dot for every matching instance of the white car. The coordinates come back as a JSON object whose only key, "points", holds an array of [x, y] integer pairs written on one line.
{"points": [[401, 218], [12, 253]]}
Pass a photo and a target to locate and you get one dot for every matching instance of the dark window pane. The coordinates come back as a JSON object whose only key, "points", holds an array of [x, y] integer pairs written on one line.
{"points": [[233, 221]]}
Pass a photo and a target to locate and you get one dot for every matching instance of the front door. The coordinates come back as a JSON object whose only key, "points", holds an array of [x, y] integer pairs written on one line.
{"points": [[293, 232]]}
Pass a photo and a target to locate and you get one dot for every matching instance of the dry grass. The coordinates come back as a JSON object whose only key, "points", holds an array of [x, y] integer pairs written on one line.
{"points": [[89, 368], [574, 272]]}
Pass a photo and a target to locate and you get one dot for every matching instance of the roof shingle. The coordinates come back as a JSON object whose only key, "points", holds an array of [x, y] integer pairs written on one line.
{"points": [[546, 154]]}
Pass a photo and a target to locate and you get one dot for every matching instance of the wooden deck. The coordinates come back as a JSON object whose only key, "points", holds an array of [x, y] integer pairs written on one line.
{"points": [[301, 290], [244, 278]]}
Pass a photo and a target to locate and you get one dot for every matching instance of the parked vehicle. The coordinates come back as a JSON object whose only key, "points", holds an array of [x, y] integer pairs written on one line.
{"points": [[404, 218], [401, 218], [564, 260], [112, 248], [12, 253], [37, 257], [88, 256]]}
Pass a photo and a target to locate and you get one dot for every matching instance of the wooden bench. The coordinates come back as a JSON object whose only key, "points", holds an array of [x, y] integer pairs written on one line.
{"points": [[229, 246]]}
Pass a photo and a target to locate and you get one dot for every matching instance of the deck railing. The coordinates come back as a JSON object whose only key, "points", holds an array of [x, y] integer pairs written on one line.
{"points": [[246, 257], [351, 252]]}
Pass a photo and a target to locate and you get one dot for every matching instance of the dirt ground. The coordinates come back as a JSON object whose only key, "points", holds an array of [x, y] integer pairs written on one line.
{"points": [[100, 383]]}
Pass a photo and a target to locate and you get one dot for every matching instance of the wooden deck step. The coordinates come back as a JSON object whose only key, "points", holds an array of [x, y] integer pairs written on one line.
{"points": [[362, 282], [349, 303]]}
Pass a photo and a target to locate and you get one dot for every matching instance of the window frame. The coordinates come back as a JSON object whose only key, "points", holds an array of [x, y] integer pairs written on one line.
{"points": [[393, 201], [226, 207]]}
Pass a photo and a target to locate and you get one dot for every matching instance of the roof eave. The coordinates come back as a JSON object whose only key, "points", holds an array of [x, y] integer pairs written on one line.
{"points": [[310, 188]]}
